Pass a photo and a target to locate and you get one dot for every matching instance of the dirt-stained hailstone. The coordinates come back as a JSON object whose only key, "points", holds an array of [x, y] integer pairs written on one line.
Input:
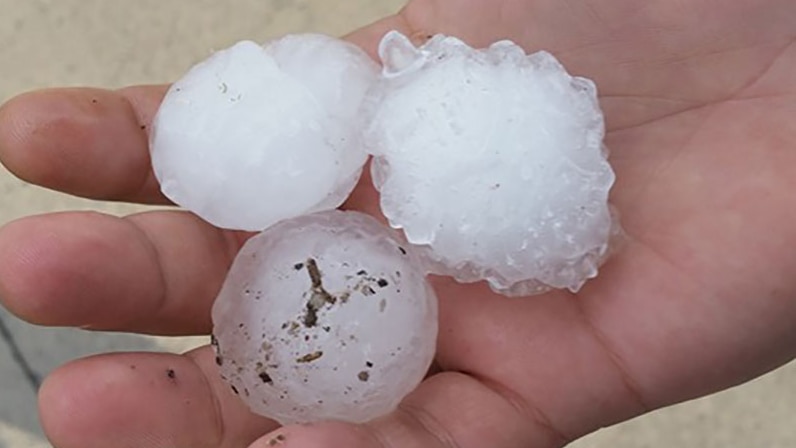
{"points": [[493, 160], [253, 125], [325, 316]]}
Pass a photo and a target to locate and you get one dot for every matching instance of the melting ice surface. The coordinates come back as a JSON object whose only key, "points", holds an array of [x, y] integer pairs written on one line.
{"points": [[325, 316], [493, 161], [258, 134]]}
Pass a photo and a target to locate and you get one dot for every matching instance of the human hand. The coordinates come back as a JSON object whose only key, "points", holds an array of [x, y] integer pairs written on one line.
{"points": [[699, 100]]}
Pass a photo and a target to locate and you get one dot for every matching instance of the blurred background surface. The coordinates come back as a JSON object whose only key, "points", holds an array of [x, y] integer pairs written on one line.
{"points": [[113, 43]]}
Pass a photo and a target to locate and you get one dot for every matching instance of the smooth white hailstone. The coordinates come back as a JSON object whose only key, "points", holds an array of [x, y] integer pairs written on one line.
{"points": [[325, 316], [254, 134], [493, 160]]}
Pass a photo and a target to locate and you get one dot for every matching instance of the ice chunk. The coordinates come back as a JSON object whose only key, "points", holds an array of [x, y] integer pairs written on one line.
{"points": [[254, 135], [325, 316], [493, 160]]}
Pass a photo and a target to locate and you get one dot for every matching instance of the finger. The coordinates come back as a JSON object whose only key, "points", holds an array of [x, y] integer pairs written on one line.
{"points": [[145, 400], [155, 272], [447, 410], [87, 142], [365, 197]]}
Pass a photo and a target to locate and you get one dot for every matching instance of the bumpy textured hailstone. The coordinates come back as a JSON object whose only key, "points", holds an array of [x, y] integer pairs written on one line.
{"points": [[325, 316], [493, 161], [254, 135]]}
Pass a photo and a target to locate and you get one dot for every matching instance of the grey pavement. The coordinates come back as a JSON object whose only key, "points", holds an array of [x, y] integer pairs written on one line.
{"points": [[111, 43]]}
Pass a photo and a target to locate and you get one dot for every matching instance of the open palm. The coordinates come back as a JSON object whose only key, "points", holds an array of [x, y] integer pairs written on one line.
{"points": [[699, 97]]}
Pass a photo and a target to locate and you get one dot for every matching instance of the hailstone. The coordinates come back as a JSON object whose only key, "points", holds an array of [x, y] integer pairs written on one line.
{"points": [[255, 134], [325, 316], [492, 161]]}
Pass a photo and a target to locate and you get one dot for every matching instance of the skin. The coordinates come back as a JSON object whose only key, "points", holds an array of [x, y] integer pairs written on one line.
{"points": [[699, 98]]}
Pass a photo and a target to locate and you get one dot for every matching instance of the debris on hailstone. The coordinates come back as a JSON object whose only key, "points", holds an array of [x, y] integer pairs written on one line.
{"points": [[325, 316], [493, 161], [255, 134]]}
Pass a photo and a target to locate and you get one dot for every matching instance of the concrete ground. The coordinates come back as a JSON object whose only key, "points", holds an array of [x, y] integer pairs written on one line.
{"points": [[114, 43]]}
